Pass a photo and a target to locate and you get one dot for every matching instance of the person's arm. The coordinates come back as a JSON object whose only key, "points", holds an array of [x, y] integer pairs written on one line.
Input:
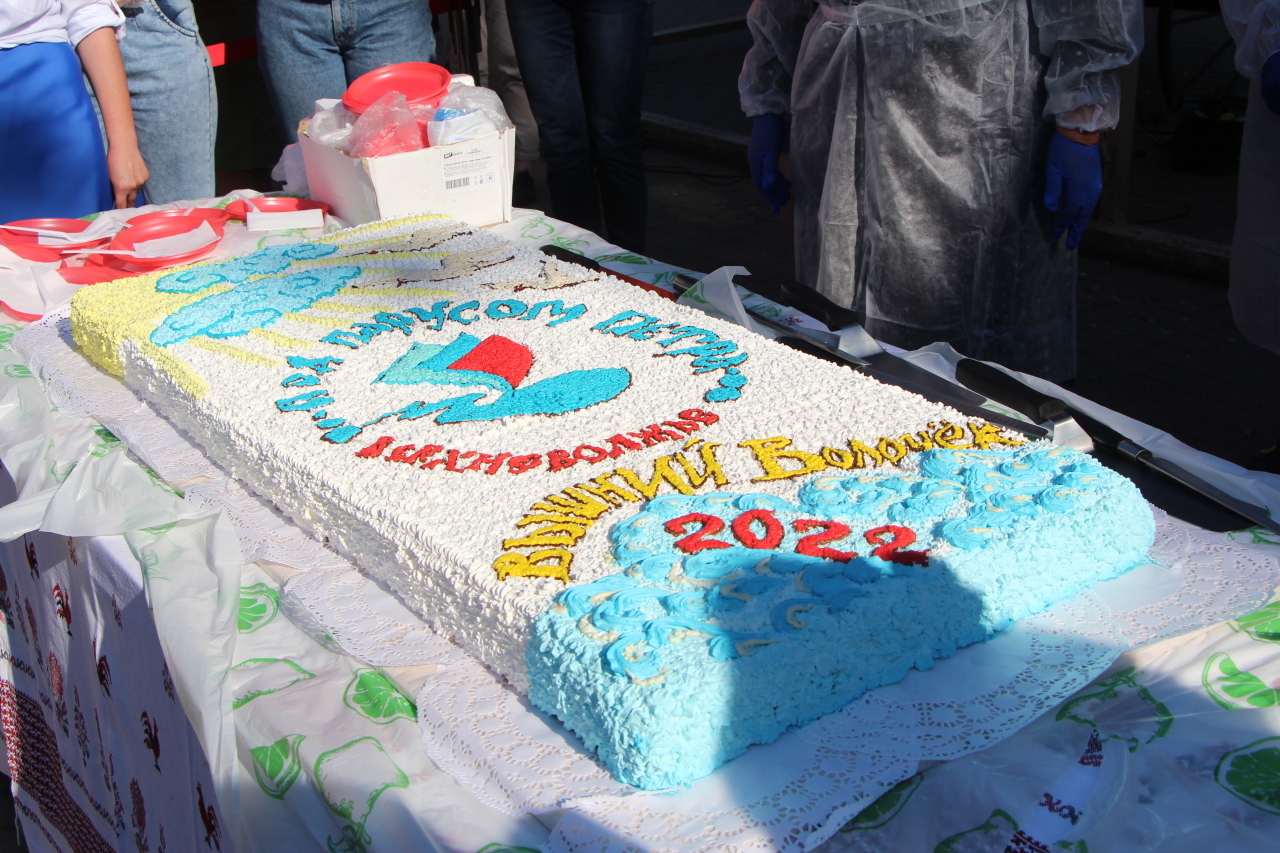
{"points": [[100, 57], [1087, 43]]}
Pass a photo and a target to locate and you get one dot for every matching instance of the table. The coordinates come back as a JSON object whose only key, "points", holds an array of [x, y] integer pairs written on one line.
{"points": [[301, 741]]}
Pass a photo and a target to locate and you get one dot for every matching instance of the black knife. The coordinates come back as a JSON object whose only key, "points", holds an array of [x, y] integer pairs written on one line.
{"points": [[1005, 389]]}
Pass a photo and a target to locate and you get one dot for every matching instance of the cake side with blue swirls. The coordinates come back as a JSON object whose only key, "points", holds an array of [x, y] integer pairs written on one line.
{"points": [[734, 617]]}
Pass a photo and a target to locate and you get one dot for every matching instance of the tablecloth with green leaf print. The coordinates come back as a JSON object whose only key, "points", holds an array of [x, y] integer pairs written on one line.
{"points": [[1175, 749], [134, 607]]}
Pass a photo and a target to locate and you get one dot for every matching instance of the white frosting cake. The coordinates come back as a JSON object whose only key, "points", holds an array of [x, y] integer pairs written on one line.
{"points": [[641, 516]]}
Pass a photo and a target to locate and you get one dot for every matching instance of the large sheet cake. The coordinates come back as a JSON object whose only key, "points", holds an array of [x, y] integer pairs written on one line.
{"points": [[677, 536]]}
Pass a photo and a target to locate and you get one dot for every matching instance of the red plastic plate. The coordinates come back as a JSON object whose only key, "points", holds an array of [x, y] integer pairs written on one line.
{"points": [[420, 83], [28, 238], [153, 230], [239, 209], [214, 215]]}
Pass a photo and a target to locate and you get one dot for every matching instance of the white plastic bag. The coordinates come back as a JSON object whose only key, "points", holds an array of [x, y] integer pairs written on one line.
{"points": [[387, 127], [292, 171], [465, 113], [332, 127]]}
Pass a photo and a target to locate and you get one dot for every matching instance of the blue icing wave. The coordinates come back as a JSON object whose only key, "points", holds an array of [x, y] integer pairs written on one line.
{"points": [[680, 660], [268, 261], [251, 305]]}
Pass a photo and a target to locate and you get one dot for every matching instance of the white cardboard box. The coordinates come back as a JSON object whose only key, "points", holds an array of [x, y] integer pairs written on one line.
{"points": [[470, 181]]}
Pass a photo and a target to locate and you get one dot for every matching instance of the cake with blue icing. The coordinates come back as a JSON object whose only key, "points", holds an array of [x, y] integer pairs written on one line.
{"points": [[676, 536]]}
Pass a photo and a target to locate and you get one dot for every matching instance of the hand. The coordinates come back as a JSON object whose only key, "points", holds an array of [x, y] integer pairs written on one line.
{"points": [[1073, 182], [768, 132], [1271, 83], [128, 173]]}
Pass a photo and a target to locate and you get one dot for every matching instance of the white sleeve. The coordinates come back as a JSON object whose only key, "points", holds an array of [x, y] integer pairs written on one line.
{"points": [[85, 16], [777, 28], [1255, 25]]}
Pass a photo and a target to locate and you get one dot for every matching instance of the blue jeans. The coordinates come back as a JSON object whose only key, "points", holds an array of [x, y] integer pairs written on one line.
{"points": [[583, 65], [175, 105], [312, 49], [53, 160]]}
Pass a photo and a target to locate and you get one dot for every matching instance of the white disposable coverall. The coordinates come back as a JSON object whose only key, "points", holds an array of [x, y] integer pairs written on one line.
{"points": [[1255, 252], [917, 150]]}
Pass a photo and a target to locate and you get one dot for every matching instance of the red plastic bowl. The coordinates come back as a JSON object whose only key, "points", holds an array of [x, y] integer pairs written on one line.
{"points": [[239, 209], [420, 83], [163, 227], [28, 238], [214, 215]]}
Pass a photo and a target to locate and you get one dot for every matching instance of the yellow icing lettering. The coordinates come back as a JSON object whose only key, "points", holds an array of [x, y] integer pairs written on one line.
{"points": [[768, 452], [601, 487], [710, 467], [535, 565], [950, 437], [841, 459], [552, 518], [574, 502], [864, 456], [892, 449], [662, 472], [564, 535], [917, 441], [985, 435]]}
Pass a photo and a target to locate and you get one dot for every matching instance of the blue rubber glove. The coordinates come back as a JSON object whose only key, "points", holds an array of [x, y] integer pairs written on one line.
{"points": [[1073, 184], [768, 132], [1271, 83]]}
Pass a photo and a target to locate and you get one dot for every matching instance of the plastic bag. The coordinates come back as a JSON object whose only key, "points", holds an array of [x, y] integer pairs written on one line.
{"points": [[387, 127], [292, 171], [465, 113], [332, 127]]}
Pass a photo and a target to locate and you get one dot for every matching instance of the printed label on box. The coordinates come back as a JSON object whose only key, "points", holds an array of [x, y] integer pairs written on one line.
{"points": [[471, 165]]}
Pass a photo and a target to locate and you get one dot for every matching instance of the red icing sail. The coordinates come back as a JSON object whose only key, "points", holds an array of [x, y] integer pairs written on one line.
{"points": [[499, 356]]}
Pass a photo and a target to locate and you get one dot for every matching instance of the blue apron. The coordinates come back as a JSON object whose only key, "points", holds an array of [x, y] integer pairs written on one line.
{"points": [[54, 163]]}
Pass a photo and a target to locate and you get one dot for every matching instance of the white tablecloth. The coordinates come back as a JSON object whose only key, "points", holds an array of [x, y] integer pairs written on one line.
{"points": [[306, 742]]}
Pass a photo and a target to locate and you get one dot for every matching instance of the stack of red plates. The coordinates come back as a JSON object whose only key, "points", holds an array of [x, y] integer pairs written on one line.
{"points": [[422, 83]]}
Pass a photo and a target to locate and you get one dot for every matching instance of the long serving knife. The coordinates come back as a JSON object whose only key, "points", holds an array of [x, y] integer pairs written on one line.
{"points": [[1053, 412], [568, 256], [849, 344]]}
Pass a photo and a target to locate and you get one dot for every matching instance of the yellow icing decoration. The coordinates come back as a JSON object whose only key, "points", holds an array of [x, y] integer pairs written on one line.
{"points": [[340, 238], [175, 368], [365, 290], [349, 308], [328, 322], [282, 341], [106, 315], [768, 452], [235, 352]]}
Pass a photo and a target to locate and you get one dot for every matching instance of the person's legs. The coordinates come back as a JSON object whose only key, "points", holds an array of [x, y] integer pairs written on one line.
{"points": [[298, 53], [175, 106], [1255, 251], [612, 45], [374, 33], [55, 163], [542, 31], [504, 78]]}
